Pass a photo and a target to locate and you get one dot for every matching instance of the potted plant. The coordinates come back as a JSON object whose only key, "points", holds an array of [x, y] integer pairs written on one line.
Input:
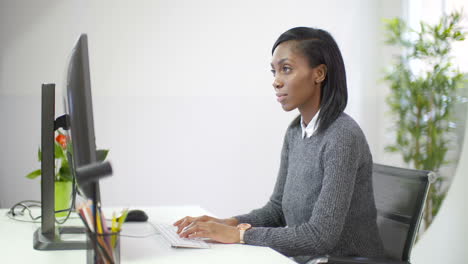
{"points": [[422, 99], [63, 175]]}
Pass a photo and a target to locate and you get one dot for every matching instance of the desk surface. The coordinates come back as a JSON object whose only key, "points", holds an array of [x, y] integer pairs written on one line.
{"points": [[16, 243]]}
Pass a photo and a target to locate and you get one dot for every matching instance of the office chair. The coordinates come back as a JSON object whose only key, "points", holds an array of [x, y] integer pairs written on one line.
{"points": [[399, 195]]}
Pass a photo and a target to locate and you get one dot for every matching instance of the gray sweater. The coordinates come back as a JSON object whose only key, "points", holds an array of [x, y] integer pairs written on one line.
{"points": [[323, 201]]}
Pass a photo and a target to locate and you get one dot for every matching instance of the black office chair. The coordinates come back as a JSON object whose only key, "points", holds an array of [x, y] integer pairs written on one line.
{"points": [[400, 195]]}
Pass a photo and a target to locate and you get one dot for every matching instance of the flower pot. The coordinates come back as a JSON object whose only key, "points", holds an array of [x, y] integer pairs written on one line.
{"points": [[63, 190]]}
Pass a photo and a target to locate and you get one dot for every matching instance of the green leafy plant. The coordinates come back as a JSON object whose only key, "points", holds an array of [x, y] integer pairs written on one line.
{"points": [[62, 167], [423, 98]]}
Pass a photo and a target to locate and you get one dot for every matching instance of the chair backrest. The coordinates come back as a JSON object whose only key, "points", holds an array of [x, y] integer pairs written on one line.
{"points": [[400, 195]]}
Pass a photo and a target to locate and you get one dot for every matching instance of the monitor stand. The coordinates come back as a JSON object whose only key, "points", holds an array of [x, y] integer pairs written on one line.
{"points": [[54, 241], [48, 236]]}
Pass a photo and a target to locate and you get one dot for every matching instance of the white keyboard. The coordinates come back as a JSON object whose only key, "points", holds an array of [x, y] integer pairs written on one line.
{"points": [[169, 232]]}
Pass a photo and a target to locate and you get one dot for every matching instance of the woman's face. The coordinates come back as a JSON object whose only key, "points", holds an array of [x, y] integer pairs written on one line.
{"points": [[296, 84]]}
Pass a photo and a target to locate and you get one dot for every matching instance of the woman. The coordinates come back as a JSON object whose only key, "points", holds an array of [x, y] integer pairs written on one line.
{"points": [[323, 199]]}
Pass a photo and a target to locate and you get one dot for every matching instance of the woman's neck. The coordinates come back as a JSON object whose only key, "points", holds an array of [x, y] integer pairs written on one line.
{"points": [[308, 113]]}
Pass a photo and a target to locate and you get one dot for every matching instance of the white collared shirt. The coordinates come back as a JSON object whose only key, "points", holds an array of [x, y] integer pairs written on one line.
{"points": [[311, 127]]}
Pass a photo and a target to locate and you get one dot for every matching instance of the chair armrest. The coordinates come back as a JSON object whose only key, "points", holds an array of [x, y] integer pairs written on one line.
{"points": [[353, 260]]}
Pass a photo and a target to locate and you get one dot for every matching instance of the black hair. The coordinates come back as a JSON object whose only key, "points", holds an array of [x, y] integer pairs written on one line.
{"points": [[320, 48]]}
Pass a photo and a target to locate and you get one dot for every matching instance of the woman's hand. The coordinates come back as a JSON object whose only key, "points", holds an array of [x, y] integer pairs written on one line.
{"points": [[187, 221], [216, 231]]}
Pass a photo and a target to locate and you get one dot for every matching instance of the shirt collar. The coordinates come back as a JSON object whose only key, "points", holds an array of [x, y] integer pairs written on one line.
{"points": [[311, 127]]}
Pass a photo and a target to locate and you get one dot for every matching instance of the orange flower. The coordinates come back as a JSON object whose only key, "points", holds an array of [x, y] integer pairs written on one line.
{"points": [[62, 140]]}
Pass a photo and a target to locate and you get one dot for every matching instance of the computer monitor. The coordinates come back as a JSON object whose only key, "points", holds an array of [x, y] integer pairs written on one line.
{"points": [[78, 123], [79, 107]]}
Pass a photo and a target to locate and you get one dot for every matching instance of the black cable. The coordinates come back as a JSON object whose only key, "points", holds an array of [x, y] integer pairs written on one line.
{"points": [[28, 204]]}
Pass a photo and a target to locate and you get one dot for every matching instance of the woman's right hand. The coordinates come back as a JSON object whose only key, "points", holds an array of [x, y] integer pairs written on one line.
{"points": [[188, 220]]}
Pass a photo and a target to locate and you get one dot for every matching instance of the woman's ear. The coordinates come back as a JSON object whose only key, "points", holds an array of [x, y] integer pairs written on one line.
{"points": [[320, 73]]}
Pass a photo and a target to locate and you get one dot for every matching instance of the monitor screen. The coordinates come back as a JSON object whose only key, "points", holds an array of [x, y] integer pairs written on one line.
{"points": [[78, 105]]}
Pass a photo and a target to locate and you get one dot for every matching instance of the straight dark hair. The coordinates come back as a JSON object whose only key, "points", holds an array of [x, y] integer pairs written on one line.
{"points": [[320, 48]]}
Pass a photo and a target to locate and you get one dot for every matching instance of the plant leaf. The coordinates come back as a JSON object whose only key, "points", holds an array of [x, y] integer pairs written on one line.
{"points": [[101, 154], [34, 174], [59, 151], [65, 173], [423, 103], [391, 149]]}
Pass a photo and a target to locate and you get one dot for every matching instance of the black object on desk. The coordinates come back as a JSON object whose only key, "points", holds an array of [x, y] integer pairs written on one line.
{"points": [[136, 216]]}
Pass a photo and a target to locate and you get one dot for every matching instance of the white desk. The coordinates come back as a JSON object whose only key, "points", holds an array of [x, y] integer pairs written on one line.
{"points": [[16, 244]]}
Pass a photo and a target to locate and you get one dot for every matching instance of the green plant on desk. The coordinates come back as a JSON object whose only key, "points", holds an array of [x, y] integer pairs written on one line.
{"points": [[63, 177]]}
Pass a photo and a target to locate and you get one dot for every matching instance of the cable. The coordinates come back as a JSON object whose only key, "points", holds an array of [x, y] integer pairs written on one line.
{"points": [[13, 217], [28, 204], [19, 210], [142, 236], [154, 227]]}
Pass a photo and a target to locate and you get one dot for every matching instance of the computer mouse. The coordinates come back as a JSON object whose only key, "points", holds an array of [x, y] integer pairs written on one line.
{"points": [[136, 216]]}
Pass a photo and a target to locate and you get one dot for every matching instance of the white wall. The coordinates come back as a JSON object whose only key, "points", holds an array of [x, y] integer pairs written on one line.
{"points": [[182, 91]]}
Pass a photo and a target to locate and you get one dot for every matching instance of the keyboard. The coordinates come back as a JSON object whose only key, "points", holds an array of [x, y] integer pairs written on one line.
{"points": [[169, 232]]}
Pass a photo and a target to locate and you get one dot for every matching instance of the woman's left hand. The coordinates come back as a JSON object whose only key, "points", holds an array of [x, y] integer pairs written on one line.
{"points": [[215, 231]]}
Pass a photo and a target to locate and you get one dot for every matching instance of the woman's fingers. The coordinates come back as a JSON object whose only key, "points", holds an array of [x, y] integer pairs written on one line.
{"points": [[216, 231], [197, 234], [194, 228], [187, 221], [184, 222], [179, 221]]}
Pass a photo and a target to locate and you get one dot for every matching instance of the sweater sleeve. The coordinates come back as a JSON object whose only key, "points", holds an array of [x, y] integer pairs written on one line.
{"points": [[271, 215], [321, 233]]}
